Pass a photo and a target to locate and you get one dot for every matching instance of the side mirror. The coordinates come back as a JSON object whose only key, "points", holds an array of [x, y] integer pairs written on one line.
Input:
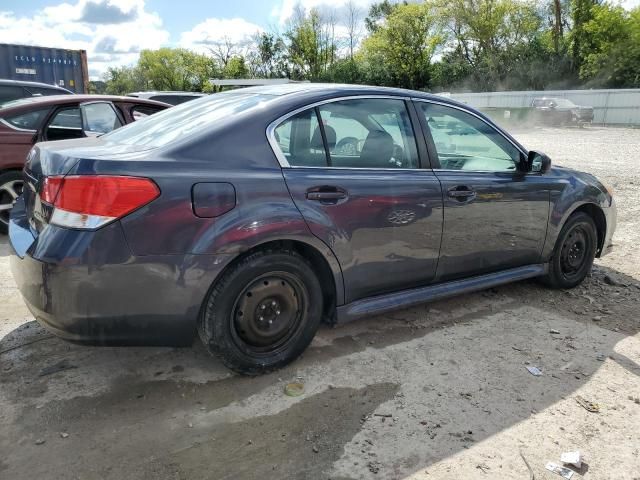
{"points": [[538, 162]]}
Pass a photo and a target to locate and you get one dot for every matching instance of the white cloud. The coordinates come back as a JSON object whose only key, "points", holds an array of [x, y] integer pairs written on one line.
{"points": [[61, 26], [216, 31], [283, 10]]}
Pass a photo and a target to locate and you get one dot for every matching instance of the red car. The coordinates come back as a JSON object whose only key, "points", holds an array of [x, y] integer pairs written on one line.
{"points": [[27, 121]]}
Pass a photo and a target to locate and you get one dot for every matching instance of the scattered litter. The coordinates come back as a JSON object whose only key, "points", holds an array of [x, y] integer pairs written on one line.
{"points": [[587, 405], [597, 318], [64, 434], [532, 476], [534, 371], [294, 389], [386, 415], [571, 458], [190, 425], [315, 449], [56, 367], [562, 471], [554, 331], [40, 441], [601, 357], [482, 467]]}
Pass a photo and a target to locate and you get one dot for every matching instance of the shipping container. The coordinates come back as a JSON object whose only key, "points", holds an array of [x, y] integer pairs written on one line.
{"points": [[54, 66]]}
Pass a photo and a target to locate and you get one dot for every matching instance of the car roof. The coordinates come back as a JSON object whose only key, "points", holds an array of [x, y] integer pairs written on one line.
{"points": [[51, 100], [24, 83], [308, 91]]}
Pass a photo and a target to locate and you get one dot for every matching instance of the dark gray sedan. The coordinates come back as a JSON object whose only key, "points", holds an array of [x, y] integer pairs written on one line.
{"points": [[251, 216]]}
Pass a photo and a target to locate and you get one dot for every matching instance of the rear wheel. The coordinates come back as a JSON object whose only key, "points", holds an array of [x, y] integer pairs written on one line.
{"points": [[263, 313], [574, 252], [11, 184]]}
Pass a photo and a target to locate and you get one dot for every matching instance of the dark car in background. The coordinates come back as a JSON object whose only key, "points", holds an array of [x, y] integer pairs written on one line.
{"points": [[560, 111], [38, 119], [253, 215], [16, 89], [172, 98]]}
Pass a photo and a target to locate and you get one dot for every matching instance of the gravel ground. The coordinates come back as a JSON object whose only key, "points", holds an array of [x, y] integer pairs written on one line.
{"points": [[438, 391]]}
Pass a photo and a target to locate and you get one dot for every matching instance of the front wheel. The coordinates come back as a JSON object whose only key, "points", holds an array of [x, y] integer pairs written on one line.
{"points": [[10, 188], [574, 252], [263, 312]]}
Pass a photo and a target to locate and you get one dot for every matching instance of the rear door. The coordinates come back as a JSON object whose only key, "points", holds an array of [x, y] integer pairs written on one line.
{"points": [[495, 214], [353, 169]]}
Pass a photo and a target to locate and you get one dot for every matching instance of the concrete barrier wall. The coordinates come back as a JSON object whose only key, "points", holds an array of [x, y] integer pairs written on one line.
{"points": [[610, 107]]}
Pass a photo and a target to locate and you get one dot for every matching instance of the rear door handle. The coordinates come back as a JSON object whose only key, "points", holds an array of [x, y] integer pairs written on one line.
{"points": [[461, 192], [326, 194]]}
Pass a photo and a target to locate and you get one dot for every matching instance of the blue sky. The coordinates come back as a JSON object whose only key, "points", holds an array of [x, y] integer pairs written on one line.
{"points": [[114, 31]]}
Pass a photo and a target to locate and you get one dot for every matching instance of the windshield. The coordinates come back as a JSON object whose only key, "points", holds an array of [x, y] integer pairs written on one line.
{"points": [[185, 119]]}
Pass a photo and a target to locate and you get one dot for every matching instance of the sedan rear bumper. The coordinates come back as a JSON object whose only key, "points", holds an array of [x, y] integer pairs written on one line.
{"points": [[85, 292]]}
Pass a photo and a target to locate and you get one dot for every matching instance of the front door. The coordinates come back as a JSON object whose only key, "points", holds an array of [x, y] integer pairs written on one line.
{"points": [[353, 170], [495, 215]]}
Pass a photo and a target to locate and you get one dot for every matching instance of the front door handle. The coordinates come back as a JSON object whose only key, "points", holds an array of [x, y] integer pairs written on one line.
{"points": [[461, 192], [326, 194]]}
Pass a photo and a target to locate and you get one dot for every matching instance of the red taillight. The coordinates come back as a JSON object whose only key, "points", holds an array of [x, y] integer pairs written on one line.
{"points": [[49, 190], [91, 201]]}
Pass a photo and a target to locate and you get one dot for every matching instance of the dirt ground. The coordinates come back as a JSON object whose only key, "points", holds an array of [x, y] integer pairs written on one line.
{"points": [[439, 391]]}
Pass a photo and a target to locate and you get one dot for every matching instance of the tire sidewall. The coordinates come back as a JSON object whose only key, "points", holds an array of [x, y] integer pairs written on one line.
{"points": [[556, 276], [218, 317]]}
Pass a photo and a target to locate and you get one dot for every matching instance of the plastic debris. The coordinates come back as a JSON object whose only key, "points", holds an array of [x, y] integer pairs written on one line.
{"points": [[294, 389], [534, 371], [64, 434], [562, 471], [571, 458], [587, 405]]}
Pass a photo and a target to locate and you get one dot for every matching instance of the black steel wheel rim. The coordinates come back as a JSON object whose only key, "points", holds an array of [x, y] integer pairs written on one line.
{"points": [[574, 253], [268, 312], [9, 192]]}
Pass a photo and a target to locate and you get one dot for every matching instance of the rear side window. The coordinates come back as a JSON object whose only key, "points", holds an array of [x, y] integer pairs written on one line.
{"points": [[360, 133], [27, 121], [300, 140]]}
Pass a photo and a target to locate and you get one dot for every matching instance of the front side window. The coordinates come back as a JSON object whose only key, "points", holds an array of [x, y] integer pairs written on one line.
{"points": [[360, 133], [27, 121], [465, 142], [99, 118]]}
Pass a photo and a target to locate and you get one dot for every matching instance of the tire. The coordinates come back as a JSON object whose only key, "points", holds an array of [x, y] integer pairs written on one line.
{"points": [[573, 253], [10, 187], [263, 312]]}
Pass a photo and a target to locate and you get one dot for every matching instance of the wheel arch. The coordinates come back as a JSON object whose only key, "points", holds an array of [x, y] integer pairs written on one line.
{"points": [[325, 268], [598, 216]]}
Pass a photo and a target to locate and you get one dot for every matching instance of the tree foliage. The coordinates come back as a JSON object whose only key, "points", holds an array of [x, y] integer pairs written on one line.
{"points": [[479, 45]]}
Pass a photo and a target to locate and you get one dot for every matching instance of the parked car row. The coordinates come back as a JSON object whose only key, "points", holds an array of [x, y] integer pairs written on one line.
{"points": [[251, 216], [27, 121]]}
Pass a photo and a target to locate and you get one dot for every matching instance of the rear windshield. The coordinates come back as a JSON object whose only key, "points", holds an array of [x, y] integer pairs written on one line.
{"points": [[179, 122]]}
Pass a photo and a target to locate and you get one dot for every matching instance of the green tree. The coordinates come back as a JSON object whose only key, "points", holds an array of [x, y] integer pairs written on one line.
{"points": [[176, 69], [400, 50], [124, 80], [612, 58]]}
